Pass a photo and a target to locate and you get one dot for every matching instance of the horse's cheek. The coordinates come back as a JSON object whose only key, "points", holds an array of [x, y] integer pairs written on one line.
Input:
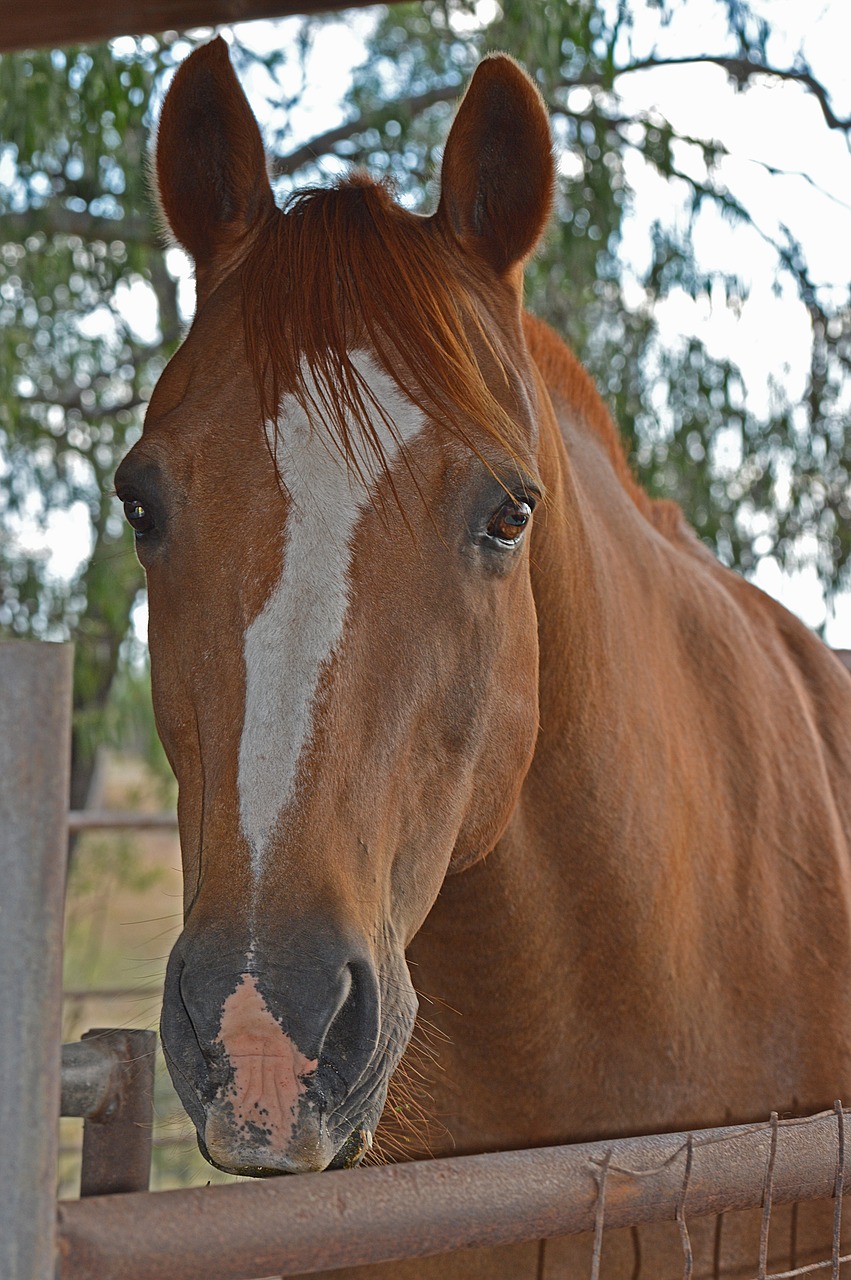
{"points": [[505, 747]]}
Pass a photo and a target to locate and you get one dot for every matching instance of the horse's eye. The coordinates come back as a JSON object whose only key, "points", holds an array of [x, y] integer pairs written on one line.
{"points": [[507, 524], [138, 516]]}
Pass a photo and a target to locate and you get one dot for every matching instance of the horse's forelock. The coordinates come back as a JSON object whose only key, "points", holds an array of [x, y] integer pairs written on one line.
{"points": [[347, 268]]}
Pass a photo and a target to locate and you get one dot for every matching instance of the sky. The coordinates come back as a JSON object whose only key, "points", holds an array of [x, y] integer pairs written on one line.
{"points": [[770, 125]]}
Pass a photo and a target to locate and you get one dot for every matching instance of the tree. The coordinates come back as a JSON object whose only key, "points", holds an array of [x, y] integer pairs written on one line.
{"points": [[77, 236]]}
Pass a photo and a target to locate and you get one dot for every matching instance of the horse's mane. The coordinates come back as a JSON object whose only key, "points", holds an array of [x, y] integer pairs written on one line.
{"points": [[344, 268], [566, 378]]}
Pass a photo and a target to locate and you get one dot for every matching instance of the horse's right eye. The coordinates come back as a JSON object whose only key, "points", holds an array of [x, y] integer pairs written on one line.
{"points": [[509, 521], [138, 516]]}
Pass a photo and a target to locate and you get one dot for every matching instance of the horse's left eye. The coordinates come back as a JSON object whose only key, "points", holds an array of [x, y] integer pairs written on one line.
{"points": [[507, 524], [138, 516]]}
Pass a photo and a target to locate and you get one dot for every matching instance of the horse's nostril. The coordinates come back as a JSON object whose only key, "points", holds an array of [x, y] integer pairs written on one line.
{"points": [[352, 1035]]}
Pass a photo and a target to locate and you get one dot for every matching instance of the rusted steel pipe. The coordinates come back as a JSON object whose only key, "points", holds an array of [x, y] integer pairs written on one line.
{"points": [[35, 718], [89, 1087], [55, 22], [117, 820], [289, 1226], [113, 993], [118, 1134], [102, 1069]]}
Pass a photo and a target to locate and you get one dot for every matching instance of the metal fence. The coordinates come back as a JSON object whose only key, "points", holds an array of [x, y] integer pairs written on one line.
{"points": [[300, 1225], [296, 1226]]}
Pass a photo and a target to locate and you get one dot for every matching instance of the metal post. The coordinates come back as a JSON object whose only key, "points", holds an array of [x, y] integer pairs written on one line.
{"points": [[118, 1137], [35, 717]]}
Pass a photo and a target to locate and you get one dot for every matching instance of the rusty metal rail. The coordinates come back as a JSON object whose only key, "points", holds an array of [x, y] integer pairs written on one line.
{"points": [[117, 820], [88, 1079], [77, 994], [108, 1079], [349, 1218]]}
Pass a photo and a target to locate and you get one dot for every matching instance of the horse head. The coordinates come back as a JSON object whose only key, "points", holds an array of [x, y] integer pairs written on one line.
{"points": [[333, 499]]}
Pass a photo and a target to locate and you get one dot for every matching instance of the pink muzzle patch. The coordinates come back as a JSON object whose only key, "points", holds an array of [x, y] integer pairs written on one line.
{"points": [[258, 1110]]}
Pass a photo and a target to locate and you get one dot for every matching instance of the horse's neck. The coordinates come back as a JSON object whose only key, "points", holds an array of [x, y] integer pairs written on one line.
{"points": [[602, 970], [556, 889], [630, 957]]}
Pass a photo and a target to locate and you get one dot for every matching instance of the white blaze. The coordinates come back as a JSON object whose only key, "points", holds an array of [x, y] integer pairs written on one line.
{"points": [[297, 631]]}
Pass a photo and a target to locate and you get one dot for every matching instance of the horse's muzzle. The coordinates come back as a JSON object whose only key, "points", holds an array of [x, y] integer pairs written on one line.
{"points": [[280, 1066]]}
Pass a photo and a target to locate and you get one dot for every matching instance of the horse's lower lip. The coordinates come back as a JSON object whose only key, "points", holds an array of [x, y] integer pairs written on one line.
{"points": [[251, 1164], [241, 1171]]}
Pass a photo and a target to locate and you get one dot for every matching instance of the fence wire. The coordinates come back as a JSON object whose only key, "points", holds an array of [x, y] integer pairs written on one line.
{"points": [[605, 1167]]}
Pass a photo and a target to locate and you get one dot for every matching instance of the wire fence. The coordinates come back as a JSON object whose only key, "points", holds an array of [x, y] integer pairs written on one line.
{"points": [[685, 1154]]}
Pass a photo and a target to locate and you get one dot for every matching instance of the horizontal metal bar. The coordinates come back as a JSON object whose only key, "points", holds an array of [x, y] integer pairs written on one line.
{"points": [[292, 1226], [109, 820], [187, 1142], [112, 993], [55, 22], [102, 1073], [90, 1082]]}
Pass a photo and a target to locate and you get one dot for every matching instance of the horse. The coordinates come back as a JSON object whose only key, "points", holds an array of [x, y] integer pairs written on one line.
{"points": [[509, 817]]}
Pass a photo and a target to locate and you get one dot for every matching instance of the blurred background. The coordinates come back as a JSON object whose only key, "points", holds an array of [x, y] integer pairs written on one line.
{"points": [[699, 263]]}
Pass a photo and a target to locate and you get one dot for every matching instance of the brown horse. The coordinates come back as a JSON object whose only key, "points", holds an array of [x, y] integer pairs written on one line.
{"points": [[458, 714]]}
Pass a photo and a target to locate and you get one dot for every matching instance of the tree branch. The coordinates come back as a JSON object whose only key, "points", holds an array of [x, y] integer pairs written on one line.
{"points": [[325, 142], [165, 288], [741, 69], [55, 220]]}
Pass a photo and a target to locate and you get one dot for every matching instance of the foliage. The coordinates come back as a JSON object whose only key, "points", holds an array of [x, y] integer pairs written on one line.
{"points": [[77, 239]]}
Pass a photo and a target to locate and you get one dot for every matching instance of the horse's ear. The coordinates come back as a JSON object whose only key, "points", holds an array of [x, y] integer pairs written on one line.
{"points": [[498, 173], [210, 164]]}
